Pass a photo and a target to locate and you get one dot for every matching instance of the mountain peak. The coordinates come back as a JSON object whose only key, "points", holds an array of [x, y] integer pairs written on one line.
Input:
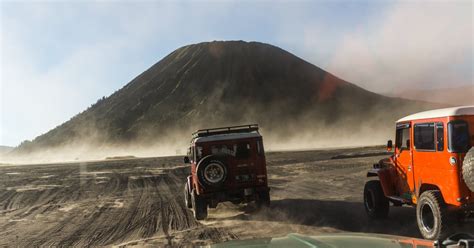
{"points": [[220, 83]]}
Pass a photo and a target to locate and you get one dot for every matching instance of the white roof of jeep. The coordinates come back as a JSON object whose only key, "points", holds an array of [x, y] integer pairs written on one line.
{"points": [[227, 136], [436, 113]]}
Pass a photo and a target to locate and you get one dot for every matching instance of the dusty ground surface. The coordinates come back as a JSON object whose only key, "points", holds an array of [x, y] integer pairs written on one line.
{"points": [[139, 202]]}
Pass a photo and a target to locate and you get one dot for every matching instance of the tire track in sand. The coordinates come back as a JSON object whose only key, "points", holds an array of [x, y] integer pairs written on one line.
{"points": [[131, 205]]}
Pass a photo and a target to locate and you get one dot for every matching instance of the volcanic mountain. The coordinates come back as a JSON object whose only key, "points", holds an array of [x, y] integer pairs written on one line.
{"points": [[227, 83]]}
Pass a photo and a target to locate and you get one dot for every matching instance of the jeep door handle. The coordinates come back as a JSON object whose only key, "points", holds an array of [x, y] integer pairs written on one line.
{"points": [[409, 168]]}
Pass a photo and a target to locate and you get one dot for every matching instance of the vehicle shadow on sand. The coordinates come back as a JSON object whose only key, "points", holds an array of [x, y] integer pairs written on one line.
{"points": [[342, 215]]}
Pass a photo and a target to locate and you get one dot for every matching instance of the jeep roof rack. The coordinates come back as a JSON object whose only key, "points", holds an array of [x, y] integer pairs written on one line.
{"points": [[224, 130]]}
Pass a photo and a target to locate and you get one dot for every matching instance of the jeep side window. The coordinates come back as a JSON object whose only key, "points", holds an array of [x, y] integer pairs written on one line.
{"points": [[198, 153], [424, 136], [458, 136], [243, 151], [403, 134], [439, 136]]}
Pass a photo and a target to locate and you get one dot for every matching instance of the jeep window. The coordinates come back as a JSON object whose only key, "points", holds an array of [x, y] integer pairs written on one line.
{"points": [[424, 136], [223, 149], [198, 153], [458, 136], [191, 154], [260, 148], [439, 136], [403, 134], [243, 151]]}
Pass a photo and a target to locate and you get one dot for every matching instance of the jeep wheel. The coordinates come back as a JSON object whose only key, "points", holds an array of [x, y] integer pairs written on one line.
{"points": [[187, 197], [375, 202], [431, 215], [263, 199], [199, 206], [468, 169], [211, 171]]}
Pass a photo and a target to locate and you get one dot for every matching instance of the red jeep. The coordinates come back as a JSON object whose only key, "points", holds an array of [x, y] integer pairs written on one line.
{"points": [[227, 164], [432, 169]]}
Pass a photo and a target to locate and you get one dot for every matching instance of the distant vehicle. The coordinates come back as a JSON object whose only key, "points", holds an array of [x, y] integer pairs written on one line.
{"points": [[227, 164], [432, 168], [350, 240]]}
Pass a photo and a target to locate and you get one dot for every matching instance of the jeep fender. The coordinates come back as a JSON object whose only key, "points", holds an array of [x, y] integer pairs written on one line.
{"points": [[422, 187], [386, 176]]}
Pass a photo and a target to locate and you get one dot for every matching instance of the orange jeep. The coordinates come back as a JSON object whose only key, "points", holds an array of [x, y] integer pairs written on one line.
{"points": [[432, 168], [227, 164]]}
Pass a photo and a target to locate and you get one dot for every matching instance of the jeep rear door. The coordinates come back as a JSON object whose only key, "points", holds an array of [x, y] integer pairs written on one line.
{"points": [[245, 166]]}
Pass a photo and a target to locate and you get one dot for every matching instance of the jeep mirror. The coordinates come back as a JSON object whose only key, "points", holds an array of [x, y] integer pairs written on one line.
{"points": [[389, 145], [186, 160]]}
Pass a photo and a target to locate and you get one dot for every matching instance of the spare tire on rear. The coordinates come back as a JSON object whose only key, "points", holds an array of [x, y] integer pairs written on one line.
{"points": [[468, 169], [211, 171]]}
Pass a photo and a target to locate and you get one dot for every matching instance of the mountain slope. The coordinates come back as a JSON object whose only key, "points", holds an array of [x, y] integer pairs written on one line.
{"points": [[227, 83], [5, 149]]}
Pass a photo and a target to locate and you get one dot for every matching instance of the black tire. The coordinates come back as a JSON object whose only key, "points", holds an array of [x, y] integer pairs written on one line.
{"points": [[432, 215], [211, 171], [375, 203], [468, 169], [187, 197], [199, 206], [263, 199]]}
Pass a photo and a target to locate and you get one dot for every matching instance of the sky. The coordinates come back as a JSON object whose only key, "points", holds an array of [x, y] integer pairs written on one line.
{"points": [[58, 57]]}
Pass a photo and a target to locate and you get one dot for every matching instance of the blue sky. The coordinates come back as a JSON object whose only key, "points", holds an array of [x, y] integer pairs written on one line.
{"points": [[59, 57]]}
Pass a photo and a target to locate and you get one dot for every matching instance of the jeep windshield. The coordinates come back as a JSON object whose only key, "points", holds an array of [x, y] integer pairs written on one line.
{"points": [[459, 138]]}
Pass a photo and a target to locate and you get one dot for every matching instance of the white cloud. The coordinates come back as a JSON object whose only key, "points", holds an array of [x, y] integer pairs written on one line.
{"points": [[423, 44]]}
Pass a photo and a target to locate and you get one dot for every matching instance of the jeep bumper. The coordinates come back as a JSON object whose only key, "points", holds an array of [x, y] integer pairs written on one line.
{"points": [[240, 195]]}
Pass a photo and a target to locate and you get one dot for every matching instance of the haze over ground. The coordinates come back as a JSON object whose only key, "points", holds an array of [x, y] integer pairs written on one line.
{"points": [[379, 46]]}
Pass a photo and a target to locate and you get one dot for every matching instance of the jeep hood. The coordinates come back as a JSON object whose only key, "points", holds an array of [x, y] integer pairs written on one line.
{"points": [[349, 240]]}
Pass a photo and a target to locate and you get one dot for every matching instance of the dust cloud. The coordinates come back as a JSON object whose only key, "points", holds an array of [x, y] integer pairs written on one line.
{"points": [[317, 129], [293, 137]]}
